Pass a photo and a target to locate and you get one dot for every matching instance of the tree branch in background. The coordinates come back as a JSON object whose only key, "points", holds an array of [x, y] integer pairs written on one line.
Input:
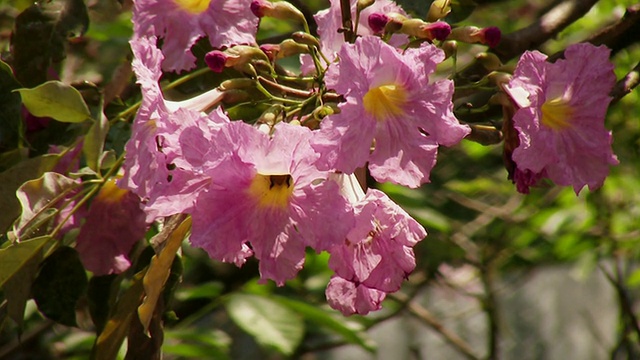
{"points": [[626, 84], [547, 26], [428, 318]]}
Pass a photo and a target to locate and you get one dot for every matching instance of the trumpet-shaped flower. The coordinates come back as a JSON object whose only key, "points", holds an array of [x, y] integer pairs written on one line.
{"points": [[267, 198], [560, 118], [152, 165], [376, 256], [391, 106], [180, 23]]}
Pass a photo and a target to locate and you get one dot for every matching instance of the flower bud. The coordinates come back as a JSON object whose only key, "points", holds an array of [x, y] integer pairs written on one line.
{"points": [[415, 27], [363, 4], [234, 96], [302, 37], [471, 34], [271, 50], [378, 22], [450, 48], [281, 10], [239, 57], [238, 83], [290, 47], [489, 61], [438, 10], [216, 60]]}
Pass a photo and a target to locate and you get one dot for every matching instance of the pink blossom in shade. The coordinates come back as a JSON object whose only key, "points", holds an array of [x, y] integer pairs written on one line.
{"points": [[330, 22], [378, 251], [267, 197], [352, 298], [560, 117], [180, 23], [389, 103], [114, 223], [152, 165]]}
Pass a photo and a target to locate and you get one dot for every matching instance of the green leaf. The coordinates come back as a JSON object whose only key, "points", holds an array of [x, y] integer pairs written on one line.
{"points": [[460, 10], [197, 343], [40, 199], [56, 100], [17, 289], [14, 257], [13, 178], [59, 285], [352, 332], [100, 299], [270, 323], [94, 142]]}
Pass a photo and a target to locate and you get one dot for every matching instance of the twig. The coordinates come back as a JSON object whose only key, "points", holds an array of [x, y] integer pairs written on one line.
{"points": [[428, 318], [347, 24], [491, 308], [626, 84]]}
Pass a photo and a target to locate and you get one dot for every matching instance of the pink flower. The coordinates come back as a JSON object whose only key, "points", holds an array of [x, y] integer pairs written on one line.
{"points": [[180, 23], [378, 252], [267, 198], [560, 118], [330, 22], [114, 224], [152, 165], [391, 105], [352, 298]]}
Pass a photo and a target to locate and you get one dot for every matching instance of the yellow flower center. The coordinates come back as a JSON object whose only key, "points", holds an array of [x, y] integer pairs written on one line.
{"points": [[556, 114], [193, 6], [272, 191], [385, 101]]}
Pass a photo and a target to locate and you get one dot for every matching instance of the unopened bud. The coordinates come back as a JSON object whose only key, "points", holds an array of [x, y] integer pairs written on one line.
{"points": [[471, 34], [450, 48], [438, 10], [291, 47], [278, 10], [378, 22], [239, 57], [302, 37], [415, 27], [501, 79], [270, 116], [234, 96], [238, 83], [363, 4], [489, 61], [325, 110], [271, 50], [394, 24]]}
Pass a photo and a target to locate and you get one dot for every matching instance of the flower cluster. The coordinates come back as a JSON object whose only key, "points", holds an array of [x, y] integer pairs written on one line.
{"points": [[275, 184]]}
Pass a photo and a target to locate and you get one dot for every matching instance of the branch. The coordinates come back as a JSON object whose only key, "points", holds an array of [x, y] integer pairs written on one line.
{"points": [[622, 33], [626, 84], [548, 26]]}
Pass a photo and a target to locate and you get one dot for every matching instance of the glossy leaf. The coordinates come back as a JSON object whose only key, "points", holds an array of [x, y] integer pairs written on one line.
{"points": [[270, 323], [56, 100], [61, 282]]}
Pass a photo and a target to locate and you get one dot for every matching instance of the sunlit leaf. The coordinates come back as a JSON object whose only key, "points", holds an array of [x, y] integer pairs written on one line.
{"points": [[159, 270], [39, 199], [94, 142], [56, 100], [13, 178], [270, 323], [60, 283]]}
